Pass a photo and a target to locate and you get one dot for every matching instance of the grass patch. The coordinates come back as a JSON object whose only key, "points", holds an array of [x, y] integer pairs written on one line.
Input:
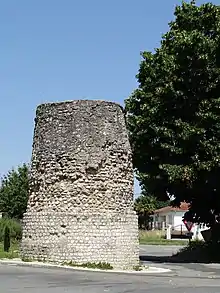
{"points": [[158, 237], [24, 259], [100, 265], [13, 251], [37, 259], [138, 268]]}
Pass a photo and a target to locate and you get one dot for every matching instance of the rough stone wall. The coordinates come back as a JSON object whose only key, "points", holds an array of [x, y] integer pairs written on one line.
{"points": [[80, 207]]}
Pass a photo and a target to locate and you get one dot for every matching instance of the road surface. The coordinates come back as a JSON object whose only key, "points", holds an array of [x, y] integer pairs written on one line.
{"points": [[184, 278], [159, 250]]}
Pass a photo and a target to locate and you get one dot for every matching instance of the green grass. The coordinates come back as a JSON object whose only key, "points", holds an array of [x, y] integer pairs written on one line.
{"points": [[100, 265], [157, 237], [26, 259], [13, 251], [138, 268]]}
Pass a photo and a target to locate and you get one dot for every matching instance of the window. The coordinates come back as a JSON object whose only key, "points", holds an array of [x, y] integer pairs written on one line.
{"points": [[170, 220]]}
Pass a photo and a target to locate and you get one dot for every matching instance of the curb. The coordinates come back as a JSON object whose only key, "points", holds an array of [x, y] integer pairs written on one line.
{"points": [[19, 263]]}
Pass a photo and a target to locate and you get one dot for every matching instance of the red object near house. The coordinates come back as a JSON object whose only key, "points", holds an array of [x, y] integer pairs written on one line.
{"points": [[188, 225], [184, 207]]}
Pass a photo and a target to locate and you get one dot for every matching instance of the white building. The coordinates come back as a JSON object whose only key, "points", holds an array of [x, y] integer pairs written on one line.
{"points": [[174, 216]]}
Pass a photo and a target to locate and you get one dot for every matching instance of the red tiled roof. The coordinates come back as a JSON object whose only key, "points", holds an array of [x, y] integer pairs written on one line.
{"points": [[183, 208]]}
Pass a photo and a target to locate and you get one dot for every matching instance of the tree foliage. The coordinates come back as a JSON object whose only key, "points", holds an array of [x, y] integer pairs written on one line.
{"points": [[14, 192], [174, 115], [145, 205]]}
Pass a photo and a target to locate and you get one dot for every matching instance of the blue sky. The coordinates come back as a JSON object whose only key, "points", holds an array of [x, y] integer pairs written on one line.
{"points": [[55, 50]]}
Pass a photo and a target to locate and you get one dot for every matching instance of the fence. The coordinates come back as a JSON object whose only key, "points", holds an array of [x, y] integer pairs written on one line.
{"points": [[178, 230], [157, 226]]}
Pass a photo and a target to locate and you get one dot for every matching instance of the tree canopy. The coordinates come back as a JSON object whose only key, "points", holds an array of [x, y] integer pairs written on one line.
{"points": [[14, 192], [145, 205], [173, 116]]}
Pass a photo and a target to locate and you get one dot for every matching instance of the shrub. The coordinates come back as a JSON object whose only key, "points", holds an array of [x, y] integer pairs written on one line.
{"points": [[200, 251], [14, 228], [91, 265], [7, 241]]}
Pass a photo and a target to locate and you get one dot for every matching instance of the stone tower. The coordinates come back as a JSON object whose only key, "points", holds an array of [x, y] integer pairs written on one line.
{"points": [[80, 206]]}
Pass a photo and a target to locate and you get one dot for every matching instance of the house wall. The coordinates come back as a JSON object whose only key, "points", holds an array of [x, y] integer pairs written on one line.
{"points": [[161, 217], [171, 218], [166, 218], [178, 224], [175, 219]]}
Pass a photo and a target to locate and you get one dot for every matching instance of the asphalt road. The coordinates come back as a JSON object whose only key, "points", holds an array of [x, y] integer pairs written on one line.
{"points": [[184, 278], [159, 250]]}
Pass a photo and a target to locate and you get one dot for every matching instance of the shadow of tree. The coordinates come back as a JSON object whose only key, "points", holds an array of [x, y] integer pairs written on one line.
{"points": [[170, 259], [195, 252]]}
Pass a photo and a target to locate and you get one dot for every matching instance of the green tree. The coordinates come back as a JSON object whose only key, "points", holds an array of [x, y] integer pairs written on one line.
{"points": [[144, 206], [174, 115], [14, 192]]}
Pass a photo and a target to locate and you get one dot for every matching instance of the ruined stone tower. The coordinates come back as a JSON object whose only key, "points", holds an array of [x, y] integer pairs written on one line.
{"points": [[80, 206]]}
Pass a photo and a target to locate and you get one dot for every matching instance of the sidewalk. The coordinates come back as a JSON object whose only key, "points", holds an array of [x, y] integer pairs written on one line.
{"points": [[145, 269]]}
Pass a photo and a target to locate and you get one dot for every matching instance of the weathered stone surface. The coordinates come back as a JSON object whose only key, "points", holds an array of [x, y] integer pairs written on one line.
{"points": [[80, 206]]}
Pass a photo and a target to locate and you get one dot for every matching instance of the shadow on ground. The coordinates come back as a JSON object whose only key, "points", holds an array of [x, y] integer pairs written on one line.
{"points": [[196, 252], [169, 259]]}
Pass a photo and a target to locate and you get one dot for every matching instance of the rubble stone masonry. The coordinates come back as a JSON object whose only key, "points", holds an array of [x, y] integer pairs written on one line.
{"points": [[80, 206]]}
